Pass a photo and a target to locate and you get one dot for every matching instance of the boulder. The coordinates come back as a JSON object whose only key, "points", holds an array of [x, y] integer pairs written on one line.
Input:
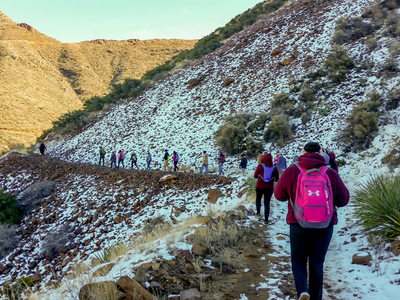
{"points": [[191, 294], [99, 289], [200, 249], [287, 61], [103, 271], [130, 286], [193, 83], [140, 275], [118, 219], [214, 194], [276, 52], [167, 178], [362, 258], [396, 247], [242, 192]]}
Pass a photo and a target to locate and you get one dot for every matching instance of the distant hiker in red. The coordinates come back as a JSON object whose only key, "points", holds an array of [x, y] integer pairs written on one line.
{"points": [[267, 174], [311, 226], [113, 160], [175, 159], [42, 147], [121, 157]]}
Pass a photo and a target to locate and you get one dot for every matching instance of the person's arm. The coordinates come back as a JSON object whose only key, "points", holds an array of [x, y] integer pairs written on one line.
{"points": [[257, 171], [281, 189], [341, 195]]}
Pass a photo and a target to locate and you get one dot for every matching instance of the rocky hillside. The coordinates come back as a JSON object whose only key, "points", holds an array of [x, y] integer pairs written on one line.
{"points": [[41, 78], [94, 207], [182, 112]]}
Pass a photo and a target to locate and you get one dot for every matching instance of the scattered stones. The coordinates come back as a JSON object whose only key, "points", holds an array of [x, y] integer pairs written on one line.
{"points": [[362, 258], [103, 271], [130, 287], [242, 192], [191, 294], [118, 219]]}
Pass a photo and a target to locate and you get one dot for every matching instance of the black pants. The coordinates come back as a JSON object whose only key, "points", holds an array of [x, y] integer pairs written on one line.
{"points": [[267, 200], [133, 162], [121, 161], [176, 166], [311, 244], [101, 159]]}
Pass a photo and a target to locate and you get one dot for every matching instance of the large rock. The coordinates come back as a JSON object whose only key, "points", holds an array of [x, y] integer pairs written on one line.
{"points": [[104, 270], [214, 194], [191, 294], [99, 290], [130, 287], [396, 247], [362, 258], [200, 249], [167, 178]]}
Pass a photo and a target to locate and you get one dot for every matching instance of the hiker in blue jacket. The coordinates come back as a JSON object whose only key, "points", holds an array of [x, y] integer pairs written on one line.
{"points": [[148, 160], [281, 164], [267, 174], [243, 164]]}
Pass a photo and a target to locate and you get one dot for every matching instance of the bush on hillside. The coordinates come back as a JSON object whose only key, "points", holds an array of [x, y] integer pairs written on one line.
{"points": [[56, 242], [258, 123], [393, 158], [338, 64], [278, 131], [371, 43], [377, 204], [393, 100], [30, 198], [348, 30], [9, 213], [166, 67], [362, 124], [282, 104], [252, 147], [8, 239], [230, 136]]}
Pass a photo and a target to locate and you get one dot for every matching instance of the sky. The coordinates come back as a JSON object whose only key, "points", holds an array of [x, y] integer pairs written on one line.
{"points": [[81, 20]]}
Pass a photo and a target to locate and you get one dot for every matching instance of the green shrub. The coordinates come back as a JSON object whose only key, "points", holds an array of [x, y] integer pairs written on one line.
{"points": [[307, 95], [252, 147], [166, 67], [281, 100], [348, 30], [259, 123], [14, 290], [362, 124], [278, 131], [9, 213], [371, 43], [377, 204], [393, 100], [338, 64], [231, 135]]}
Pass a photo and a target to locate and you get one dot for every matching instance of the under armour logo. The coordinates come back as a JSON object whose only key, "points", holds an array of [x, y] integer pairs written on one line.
{"points": [[316, 193]]}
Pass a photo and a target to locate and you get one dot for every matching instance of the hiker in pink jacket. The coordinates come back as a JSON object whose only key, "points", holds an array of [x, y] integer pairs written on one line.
{"points": [[175, 159]]}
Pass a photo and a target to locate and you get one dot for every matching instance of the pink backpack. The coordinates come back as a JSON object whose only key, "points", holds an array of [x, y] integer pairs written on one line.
{"points": [[313, 207]]}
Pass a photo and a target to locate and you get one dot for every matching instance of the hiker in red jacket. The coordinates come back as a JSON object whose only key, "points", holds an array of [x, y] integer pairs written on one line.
{"points": [[265, 186], [311, 244]]}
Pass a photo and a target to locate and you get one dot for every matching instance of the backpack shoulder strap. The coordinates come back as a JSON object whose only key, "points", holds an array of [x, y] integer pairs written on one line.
{"points": [[300, 168]]}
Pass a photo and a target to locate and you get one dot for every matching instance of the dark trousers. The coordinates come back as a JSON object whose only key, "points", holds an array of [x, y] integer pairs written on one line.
{"points": [[267, 200], [134, 163], [148, 165], [121, 161], [311, 245], [113, 162], [176, 166], [101, 159]]}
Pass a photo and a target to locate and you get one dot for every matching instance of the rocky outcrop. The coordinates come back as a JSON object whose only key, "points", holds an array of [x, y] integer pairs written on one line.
{"points": [[214, 194]]}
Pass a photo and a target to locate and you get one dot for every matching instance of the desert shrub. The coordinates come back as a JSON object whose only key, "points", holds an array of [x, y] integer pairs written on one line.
{"points": [[110, 253], [338, 64], [348, 30], [281, 100], [8, 239], [323, 109], [225, 234], [371, 43], [13, 291], [9, 213], [377, 203], [56, 242], [166, 67], [389, 67], [251, 182], [258, 123], [230, 136], [252, 147], [30, 198], [362, 124], [393, 100], [278, 131], [307, 95], [393, 158]]}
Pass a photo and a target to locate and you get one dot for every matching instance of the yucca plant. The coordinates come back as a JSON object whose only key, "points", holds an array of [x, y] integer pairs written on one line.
{"points": [[377, 203]]}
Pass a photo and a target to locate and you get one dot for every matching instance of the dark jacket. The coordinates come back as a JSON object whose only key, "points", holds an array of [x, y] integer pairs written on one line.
{"points": [[287, 184], [220, 158], [281, 164], [113, 157], [133, 157], [267, 160], [42, 147], [243, 162], [166, 155], [332, 162]]}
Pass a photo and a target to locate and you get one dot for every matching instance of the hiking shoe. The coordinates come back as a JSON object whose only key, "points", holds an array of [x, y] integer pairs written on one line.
{"points": [[258, 216], [304, 296], [265, 222]]}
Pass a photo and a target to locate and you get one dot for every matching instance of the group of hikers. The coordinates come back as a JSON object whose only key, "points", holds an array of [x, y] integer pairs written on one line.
{"points": [[313, 188]]}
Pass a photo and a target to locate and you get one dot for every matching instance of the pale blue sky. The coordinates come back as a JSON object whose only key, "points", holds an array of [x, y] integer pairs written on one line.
{"points": [[82, 20]]}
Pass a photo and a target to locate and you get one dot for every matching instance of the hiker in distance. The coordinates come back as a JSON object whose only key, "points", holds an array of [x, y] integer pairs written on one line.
{"points": [[113, 160], [102, 153], [204, 163], [266, 175], [121, 158], [166, 160], [243, 164], [281, 163], [134, 161], [175, 159], [42, 147], [311, 226], [220, 160], [148, 160]]}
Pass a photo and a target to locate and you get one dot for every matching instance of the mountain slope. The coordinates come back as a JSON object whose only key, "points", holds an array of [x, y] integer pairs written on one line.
{"points": [[262, 60], [41, 78]]}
